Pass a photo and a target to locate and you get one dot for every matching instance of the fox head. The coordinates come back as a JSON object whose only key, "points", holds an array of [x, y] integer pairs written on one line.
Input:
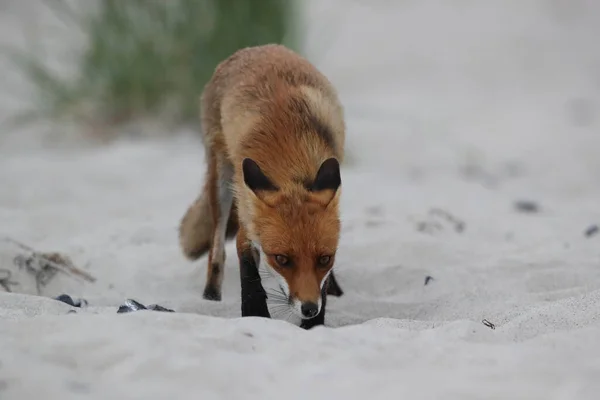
{"points": [[296, 231]]}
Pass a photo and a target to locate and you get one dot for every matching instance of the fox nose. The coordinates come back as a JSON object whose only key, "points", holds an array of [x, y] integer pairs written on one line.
{"points": [[309, 309]]}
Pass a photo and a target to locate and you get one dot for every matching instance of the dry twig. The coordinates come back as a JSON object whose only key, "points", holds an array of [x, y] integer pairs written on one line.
{"points": [[44, 266], [5, 281]]}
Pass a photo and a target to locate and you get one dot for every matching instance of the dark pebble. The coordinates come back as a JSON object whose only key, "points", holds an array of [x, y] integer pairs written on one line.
{"points": [[526, 206], [131, 305], [65, 298], [157, 307], [592, 230]]}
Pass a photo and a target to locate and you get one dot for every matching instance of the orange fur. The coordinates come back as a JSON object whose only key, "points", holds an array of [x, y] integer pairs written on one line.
{"points": [[269, 105]]}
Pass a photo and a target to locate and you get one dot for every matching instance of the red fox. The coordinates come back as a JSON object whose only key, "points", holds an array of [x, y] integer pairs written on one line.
{"points": [[274, 132]]}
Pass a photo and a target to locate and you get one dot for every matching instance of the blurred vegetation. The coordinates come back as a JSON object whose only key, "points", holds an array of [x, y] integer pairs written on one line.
{"points": [[146, 58]]}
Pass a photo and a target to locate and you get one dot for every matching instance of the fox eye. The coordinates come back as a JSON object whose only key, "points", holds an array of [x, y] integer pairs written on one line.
{"points": [[282, 260], [324, 260]]}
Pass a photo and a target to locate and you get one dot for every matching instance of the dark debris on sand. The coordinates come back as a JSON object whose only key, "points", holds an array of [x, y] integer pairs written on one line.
{"points": [[526, 206], [131, 305], [592, 230], [65, 298]]}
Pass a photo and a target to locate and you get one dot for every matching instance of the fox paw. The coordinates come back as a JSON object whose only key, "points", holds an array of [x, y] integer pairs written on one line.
{"points": [[211, 293]]}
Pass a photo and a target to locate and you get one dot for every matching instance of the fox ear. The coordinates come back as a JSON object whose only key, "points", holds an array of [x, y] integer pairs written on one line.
{"points": [[254, 178], [327, 181], [328, 176]]}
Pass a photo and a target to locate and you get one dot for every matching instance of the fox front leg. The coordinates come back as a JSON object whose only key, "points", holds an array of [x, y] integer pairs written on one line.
{"points": [[254, 297]]}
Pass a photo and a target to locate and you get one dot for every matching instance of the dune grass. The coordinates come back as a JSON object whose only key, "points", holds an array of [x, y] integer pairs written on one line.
{"points": [[149, 58]]}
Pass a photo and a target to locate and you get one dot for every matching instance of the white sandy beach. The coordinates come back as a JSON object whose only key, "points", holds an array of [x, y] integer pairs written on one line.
{"points": [[454, 106]]}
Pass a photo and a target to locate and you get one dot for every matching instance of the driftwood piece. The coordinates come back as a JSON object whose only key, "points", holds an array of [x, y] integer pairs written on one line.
{"points": [[45, 265], [5, 280]]}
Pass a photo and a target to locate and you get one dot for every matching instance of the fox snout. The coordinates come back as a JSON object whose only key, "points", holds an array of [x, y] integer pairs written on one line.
{"points": [[309, 309], [304, 291], [306, 307]]}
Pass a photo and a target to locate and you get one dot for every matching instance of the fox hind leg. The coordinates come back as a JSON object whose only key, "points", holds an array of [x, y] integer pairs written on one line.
{"points": [[221, 201]]}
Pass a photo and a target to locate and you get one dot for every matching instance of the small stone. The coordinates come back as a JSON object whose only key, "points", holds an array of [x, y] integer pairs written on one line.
{"points": [[156, 307], [65, 298], [592, 230], [526, 206], [129, 306]]}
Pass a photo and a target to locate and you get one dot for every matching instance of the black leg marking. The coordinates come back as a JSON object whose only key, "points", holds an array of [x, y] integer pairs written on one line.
{"points": [[320, 318], [211, 290], [254, 297], [211, 293], [333, 287]]}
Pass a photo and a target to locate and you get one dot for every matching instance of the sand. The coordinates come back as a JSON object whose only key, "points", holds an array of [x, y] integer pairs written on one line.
{"points": [[454, 108]]}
